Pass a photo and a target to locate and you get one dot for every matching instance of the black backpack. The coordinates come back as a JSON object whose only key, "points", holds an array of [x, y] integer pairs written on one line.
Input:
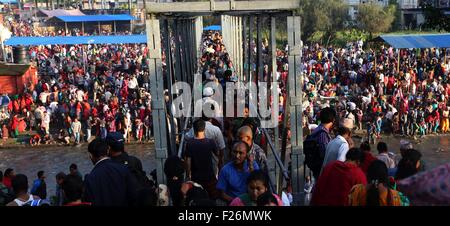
{"points": [[142, 180], [313, 156]]}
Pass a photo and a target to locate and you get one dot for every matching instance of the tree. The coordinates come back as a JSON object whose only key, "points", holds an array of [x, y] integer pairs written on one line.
{"points": [[397, 24], [323, 16], [435, 18], [373, 18]]}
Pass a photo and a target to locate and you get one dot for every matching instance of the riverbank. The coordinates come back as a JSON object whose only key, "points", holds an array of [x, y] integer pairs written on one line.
{"points": [[23, 140]]}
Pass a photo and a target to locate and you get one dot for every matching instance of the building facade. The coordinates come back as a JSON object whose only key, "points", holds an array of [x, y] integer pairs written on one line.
{"points": [[412, 15], [353, 6]]}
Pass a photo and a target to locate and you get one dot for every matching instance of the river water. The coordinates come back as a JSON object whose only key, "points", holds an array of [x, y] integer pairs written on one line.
{"points": [[29, 160]]}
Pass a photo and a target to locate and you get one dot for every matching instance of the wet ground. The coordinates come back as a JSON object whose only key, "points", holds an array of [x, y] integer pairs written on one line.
{"points": [[435, 149], [29, 160]]}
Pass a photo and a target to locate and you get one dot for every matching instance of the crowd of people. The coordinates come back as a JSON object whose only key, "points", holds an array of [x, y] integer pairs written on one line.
{"points": [[103, 91], [377, 91], [28, 28], [117, 179], [83, 91]]}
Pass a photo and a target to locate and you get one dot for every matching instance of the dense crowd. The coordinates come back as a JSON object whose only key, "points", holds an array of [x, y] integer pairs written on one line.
{"points": [[82, 91], [372, 89], [103, 90]]}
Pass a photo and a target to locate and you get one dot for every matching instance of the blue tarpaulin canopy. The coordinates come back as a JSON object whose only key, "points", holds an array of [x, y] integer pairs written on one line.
{"points": [[93, 18], [74, 40], [213, 28], [8, 1], [417, 41]]}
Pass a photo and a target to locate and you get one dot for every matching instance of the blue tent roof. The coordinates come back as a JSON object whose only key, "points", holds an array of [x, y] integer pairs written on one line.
{"points": [[418, 41], [8, 1], [73, 40], [96, 18], [213, 28]]}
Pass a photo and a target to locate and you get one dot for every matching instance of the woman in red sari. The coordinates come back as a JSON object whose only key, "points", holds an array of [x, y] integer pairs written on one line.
{"points": [[15, 126]]}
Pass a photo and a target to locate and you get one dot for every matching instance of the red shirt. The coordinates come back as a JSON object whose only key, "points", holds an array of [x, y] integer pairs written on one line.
{"points": [[335, 183], [7, 182], [368, 159]]}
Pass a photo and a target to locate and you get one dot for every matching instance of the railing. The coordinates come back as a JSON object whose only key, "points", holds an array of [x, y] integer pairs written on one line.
{"points": [[183, 135], [280, 164]]}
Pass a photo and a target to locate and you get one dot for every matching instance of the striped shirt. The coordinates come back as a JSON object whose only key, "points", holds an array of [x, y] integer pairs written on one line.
{"points": [[322, 138]]}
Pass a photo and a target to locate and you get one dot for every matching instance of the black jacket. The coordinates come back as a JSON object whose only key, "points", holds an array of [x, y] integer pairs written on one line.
{"points": [[110, 184], [135, 167]]}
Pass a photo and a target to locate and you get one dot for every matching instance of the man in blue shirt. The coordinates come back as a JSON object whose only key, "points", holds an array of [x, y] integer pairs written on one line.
{"points": [[232, 180]]}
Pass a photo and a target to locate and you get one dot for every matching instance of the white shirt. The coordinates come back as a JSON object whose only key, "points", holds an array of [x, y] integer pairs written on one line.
{"points": [[80, 95], [390, 163], [107, 95], [336, 150], [133, 83], [43, 97], [285, 199]]}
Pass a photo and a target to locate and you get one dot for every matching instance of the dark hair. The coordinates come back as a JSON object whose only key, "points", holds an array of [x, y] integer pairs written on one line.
{"points": [[377, 173], [199, 126], [73, 166], [327, 115], [355, 154], [60, 176], [203, 202], [98, 148], [266, 198], [342, 130], [407, 165], [194, 194], [382, 147], [258, 175], [1, 176], [365, 146], [40, 174], [173, 167], [8, 172], [20, 183], [72, 187]]}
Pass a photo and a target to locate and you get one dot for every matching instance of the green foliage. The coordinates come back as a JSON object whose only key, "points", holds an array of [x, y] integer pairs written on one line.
{"points": [[373, 18], [322, 18], [350, 35], [396, 25]]}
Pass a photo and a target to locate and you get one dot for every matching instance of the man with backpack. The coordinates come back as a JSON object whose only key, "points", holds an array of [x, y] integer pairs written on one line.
{"points": [[117, 154], [315, 145]]}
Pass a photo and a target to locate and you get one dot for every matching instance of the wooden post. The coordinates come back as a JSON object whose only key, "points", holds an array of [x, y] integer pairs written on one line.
{"points": [[99, 28], [82, 27], [67, 30], [115, 28]]}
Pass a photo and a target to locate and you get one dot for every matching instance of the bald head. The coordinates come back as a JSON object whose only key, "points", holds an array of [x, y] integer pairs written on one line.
{"points": [[245, 134]]}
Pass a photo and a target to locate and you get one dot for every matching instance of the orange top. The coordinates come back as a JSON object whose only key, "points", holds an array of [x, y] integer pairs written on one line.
{"points": [[358, 197]]}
